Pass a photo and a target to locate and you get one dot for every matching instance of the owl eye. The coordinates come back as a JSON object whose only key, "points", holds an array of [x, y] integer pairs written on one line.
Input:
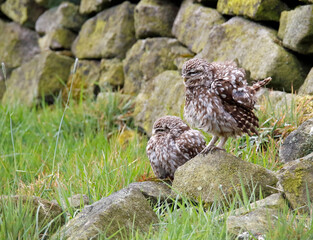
{"points": [[159, 130], [193, 73]]}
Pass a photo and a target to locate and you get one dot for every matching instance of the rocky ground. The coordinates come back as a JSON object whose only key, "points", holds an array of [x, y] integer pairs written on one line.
{"points": [[139, 47]]}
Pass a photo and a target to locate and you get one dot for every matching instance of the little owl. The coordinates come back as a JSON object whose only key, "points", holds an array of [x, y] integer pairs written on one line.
{"points": [[219, 100], [172, 144]]}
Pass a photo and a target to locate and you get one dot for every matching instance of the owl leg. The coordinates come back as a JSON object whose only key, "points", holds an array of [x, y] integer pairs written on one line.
{"points": [[222, 142], [213, 140], [210, 147]]}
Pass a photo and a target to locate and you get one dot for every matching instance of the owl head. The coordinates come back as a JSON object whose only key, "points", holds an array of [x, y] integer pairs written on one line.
{"points": [[169, 125], [197, 72]]}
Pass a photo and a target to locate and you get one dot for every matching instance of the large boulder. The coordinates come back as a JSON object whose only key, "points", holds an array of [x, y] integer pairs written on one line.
{"points": [[296, 29], [24, 12], [255, 218], [256, 49], [120, 213], [219, 176], [42, 210], [193, 23], [64, 16], [17, 44], [41, 76], [254, 9], [154, 18], [107, 35], [296, 179], [112, 73], [298, 144], [149, 57], [164, 95], [93, 6], [307, 86]]}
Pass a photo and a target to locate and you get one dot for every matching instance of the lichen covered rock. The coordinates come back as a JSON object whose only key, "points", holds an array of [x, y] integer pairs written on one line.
{"points": [[255, 9], [93, 6], [307, 86], [120, 213], [298, 144], [296, 179], [24, 12], [219, 176], [149, 57], [164, 95], [112, 73], [17, 44], [57, 39], [64, 16], [296, 29], [255, 48], [39, 77], [154, 18], [193, 23], [107, 35]]}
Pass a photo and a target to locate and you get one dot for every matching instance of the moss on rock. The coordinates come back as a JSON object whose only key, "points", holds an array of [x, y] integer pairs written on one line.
{"points": [[148, 58], [120, 214], [41, 76], [154, 18], [220, 176], [56, 39], [296, 29], [107, 35], [65, 15], [193, 23], [24, 12], [257, 50], [17, 44], [94, 6], [296, 178], [255, 9], [164, 95], [112, 73]]}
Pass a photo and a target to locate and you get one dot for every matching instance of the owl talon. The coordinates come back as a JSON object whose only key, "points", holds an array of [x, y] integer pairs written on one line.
{"points": [[211, 149]]}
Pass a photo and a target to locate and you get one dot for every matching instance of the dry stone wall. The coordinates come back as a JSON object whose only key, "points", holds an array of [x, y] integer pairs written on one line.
{"points": [[139, 46]]}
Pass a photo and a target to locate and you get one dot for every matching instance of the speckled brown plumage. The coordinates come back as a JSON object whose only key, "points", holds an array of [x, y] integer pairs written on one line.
{"points": [[219, 100], [172, 144]]}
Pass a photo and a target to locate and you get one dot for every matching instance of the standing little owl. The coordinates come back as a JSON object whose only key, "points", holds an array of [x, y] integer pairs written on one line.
{"points": [[172, 144], [219, 100]]}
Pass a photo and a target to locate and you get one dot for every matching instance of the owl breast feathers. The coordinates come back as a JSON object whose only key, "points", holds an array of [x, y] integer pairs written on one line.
{"points": [[219, 100], [172, 144]]}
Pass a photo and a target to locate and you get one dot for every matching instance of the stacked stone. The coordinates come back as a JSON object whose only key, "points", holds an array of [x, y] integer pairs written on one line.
{"points": [[140, 47]]}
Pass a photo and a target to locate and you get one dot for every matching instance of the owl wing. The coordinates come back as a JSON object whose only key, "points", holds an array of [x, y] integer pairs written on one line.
{"points": [[234, 92], [190, 143], [239, 102]]}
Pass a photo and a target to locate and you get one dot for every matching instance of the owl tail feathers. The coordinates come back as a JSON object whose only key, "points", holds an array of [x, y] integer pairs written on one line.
{"points": [[261, 83]]}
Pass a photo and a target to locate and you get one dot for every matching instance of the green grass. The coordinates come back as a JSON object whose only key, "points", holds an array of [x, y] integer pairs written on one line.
{"points": [[99, 152]]}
